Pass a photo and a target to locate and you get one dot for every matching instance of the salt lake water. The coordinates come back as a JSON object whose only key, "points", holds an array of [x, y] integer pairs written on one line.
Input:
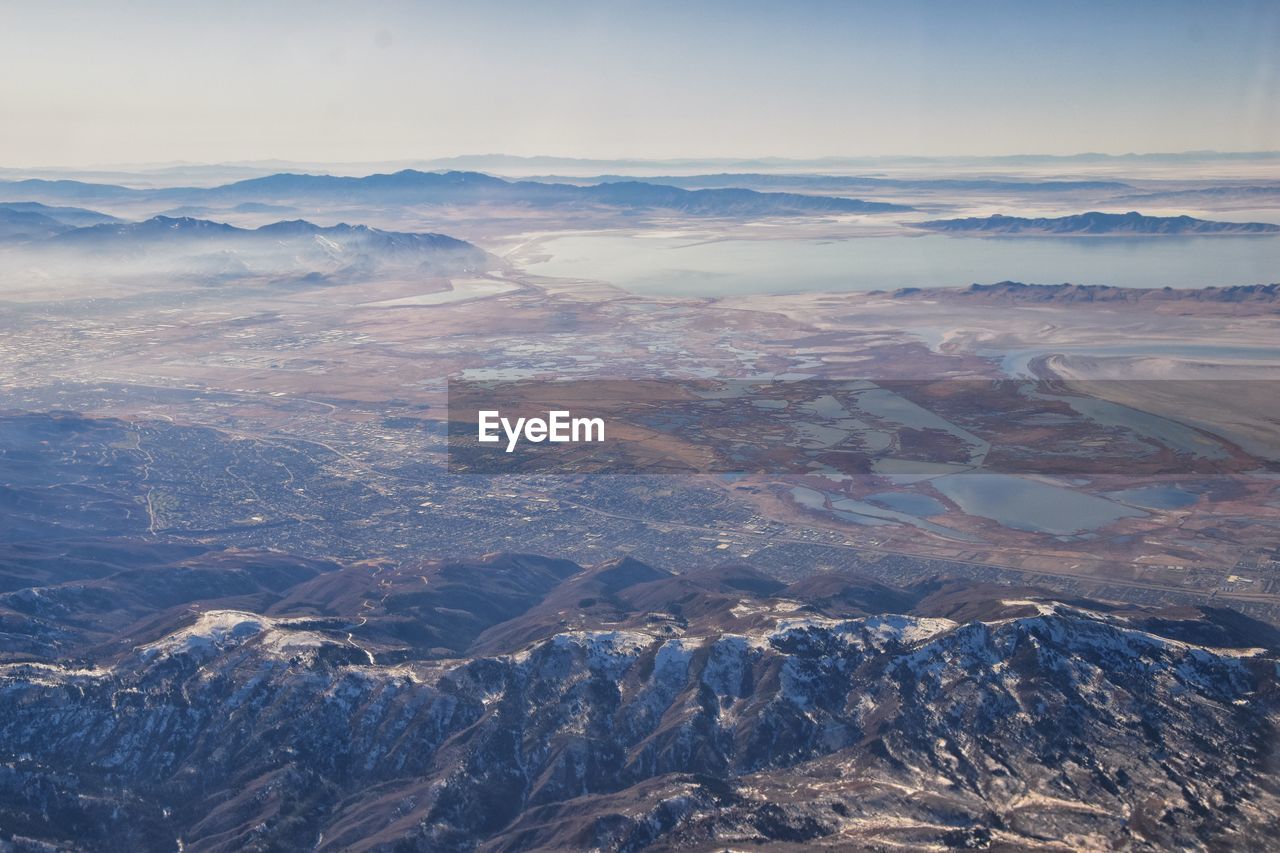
{"points": [[1030, 504], [665, 265], [1155, 497]]}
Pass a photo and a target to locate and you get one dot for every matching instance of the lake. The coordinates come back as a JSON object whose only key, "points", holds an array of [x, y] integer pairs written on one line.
{"points": [[1155, 497], [1030, 504], [665, 265]]}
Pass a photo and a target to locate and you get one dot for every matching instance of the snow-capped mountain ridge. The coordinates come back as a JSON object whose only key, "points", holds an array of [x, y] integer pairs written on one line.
{"points": [[798, 715]]}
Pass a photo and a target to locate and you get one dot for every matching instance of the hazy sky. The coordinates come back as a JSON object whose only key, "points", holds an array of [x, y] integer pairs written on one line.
{"points": [[124, 81]]}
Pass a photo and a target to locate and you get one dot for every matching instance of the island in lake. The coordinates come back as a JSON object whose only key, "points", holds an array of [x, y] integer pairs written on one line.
{"points": [[1094, 223]]}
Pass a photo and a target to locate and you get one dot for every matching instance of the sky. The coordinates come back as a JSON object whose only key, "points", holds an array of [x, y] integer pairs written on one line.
{"points": [[89, 84]]}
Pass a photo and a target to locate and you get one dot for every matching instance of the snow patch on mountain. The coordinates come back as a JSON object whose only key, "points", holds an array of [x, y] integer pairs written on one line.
{"points": [[215, 631], [610, 652], [875, 631], [51, 675]]}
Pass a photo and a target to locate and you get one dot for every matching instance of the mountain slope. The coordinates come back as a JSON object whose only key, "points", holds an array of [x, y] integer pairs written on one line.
{"points": [[75, 217], [517, 702], [27, 225], [44, 189], [29, 220]]}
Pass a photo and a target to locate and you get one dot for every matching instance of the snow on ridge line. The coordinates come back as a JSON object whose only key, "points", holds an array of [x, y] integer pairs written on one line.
{"points": [[1122, 625], [51, 674], [1129, 635], [212, 629], [612, 649], [883, 628], [748, 607], [606, 647], [216, 630], [1043, 608]]}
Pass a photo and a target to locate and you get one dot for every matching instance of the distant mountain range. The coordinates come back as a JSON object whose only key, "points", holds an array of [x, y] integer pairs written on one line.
{"points": [[207, 174], [757, 180], [508, 161], [1265, 194], [254, 700], [1132, 223], [170, 230], [410, 187], [29, 220], [215, 250]]}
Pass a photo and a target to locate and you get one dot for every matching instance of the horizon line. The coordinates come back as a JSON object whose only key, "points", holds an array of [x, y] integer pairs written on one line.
{"points": [[728, 159]]}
